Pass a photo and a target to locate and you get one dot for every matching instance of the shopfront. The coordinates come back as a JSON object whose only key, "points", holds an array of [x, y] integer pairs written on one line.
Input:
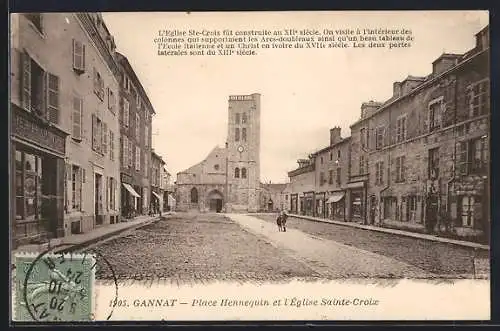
{"points": [[294, 203], [129, 197], [320, 205], [38, 168], [336, 205], [356, 201], [309, 203]]}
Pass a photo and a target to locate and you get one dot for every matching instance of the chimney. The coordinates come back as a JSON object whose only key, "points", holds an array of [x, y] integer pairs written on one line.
{"points": [[483, 39], [368, 108], [444, 62], [396, 89], [335, 135]]}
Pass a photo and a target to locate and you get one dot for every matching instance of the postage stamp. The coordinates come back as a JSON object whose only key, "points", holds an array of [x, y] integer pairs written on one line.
{"points": [[54, 287]]}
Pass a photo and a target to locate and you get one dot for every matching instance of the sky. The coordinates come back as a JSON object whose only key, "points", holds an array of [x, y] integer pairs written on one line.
{"points": [[304, 92]]}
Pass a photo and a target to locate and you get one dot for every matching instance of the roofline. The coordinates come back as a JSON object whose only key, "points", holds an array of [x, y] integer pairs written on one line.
{"points": [[332, 146], [123, 60], [422, 86]]}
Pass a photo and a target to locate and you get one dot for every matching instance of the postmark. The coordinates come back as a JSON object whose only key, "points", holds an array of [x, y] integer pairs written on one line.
{"points": [[58, 287]]}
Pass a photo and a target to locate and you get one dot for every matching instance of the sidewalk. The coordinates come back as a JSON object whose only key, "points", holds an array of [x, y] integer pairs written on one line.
{"points": [[327, 257], [396, 232], [87, 238]]}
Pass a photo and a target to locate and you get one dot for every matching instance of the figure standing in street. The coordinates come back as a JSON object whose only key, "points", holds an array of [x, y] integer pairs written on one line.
{"points": [[278, 221], [284, 216]]}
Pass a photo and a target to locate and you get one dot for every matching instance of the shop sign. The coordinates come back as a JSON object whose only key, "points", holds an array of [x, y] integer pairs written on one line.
{"points": [[27, 129]]}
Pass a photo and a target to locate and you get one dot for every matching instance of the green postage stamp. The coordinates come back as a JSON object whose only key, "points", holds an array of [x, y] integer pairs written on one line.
{"points": [[54, 287]]}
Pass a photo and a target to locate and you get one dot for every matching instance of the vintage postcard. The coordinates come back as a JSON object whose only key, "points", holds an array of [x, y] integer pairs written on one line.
{"points": [[201, 166]]}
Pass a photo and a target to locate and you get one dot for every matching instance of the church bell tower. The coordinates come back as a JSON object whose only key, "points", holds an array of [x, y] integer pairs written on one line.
{"points": [[243, 153]]}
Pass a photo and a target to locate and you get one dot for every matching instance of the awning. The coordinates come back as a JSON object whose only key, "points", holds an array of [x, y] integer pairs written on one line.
{"points": [[335, 197], [131, 190], [156, 195]]}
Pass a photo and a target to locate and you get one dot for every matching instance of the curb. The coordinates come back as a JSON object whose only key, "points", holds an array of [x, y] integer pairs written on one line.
{"points": [[400, 233], [395, 232], [105, 236]]}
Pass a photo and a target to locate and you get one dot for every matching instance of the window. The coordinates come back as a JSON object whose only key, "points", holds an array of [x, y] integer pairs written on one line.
{"points": [[138, 101], [137, 158], [400, 169], [78, 56], [40, 90], [98, 85], [131, 155], [322, 178], [478, 97], [237, 118], [104, 130], [338, 154], [363, 136], [112, 193], [243, 172], [339, 174], [401, 129], [379, 138], [321, 160], [28, 185], [126, 82], [137, 127], [76, 188], [236, 134], [469, 204], [77, 117], [216, 167], [194, 195], [244, 134], [125, 151], [236, 172], [330, 176], [433, 166], [379, 173], [126, 112], [146, 169], [244, 118], [36, 20], [412, 208], [362, 169], [98, 135], [435, 109], [146, 135], [331, 156], [111, 100], [111, 145], [473, 156]]}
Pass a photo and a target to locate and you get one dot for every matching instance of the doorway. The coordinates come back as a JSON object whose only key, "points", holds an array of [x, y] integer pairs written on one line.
{"points": [[98, 199], [215, 201], [431, 211], [373, 209]]}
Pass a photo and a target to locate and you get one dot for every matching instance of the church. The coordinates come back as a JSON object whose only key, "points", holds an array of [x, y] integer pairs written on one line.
{"points": [[228, 179]]}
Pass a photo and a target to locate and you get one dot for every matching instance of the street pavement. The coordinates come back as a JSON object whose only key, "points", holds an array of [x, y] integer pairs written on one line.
{"points": [[195, 248], [189, 247], [446, 260]]}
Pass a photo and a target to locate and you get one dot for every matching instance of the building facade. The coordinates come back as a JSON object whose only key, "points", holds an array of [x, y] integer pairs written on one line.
{"points": [[63, 125], [228, 178], [157, 187], [272, 197], [135, 117], [418, 161], [332, 170]]}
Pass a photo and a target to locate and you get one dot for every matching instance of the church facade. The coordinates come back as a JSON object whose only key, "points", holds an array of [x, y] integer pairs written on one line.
{"points": [[228, 179]]}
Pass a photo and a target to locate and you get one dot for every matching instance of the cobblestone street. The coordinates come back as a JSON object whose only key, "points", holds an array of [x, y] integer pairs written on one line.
{"points": [[206, 247], [199, 247], [439, 258]]}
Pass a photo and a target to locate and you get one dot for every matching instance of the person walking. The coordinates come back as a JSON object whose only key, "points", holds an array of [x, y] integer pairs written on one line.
{"points": [[284, 216]]}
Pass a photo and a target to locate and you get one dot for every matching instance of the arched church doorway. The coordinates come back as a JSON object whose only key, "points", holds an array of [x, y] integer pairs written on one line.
{"points": [[215, 201], [270, 205]]}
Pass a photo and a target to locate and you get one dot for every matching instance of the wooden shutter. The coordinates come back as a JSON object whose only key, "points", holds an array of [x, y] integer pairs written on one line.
{"points": [[25, 81], [77, 117], [94, 132], [68, 205], [107, 192], [104, 137]]}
